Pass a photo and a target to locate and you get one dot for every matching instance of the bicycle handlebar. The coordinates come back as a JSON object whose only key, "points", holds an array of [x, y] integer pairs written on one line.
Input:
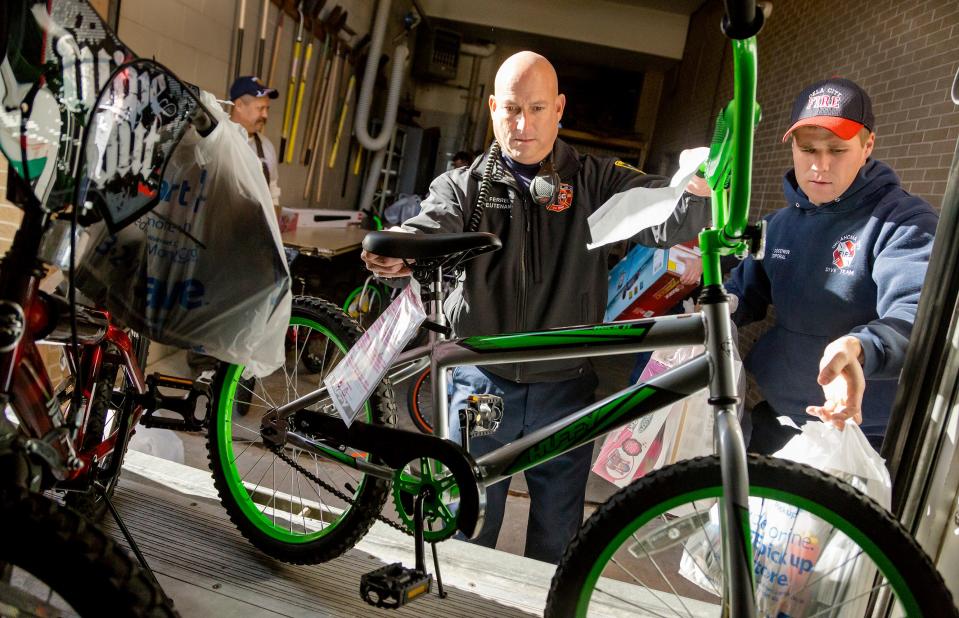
{"points": [[742, 20]]}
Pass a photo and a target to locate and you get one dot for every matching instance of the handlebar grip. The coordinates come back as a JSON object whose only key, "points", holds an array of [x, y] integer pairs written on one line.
{"points": [[742, 19]]}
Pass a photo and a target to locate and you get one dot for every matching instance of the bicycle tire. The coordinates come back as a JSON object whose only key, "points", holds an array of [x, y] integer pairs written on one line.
{"points": [[75, 559], [642, 508], [419, 402], [89, 503], [365, 313], [338, 526]]}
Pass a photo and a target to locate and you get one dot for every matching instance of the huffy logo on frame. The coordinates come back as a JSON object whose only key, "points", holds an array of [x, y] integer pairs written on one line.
{"points": [[844, 251]]}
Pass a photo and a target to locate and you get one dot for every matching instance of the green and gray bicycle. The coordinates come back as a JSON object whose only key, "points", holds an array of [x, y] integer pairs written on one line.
{"points": [[726, 535]]}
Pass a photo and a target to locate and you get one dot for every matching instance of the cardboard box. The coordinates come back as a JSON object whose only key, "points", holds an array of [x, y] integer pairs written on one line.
{"points": [[292, 218], [646, 282]]}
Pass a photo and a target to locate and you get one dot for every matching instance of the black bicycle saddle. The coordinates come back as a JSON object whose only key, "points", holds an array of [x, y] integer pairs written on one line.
{"points": [[429, 246]]}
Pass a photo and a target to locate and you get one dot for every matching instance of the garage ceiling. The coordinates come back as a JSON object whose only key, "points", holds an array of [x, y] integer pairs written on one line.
{"points": [[631, 35], [683, 7]]}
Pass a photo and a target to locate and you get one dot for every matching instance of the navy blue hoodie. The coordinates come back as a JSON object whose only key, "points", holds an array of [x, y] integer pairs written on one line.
{"points": [[853, 266]]}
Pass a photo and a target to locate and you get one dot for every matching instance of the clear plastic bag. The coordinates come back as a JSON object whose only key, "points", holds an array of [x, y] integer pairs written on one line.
{"points": [[801, 562], [205, 269]]}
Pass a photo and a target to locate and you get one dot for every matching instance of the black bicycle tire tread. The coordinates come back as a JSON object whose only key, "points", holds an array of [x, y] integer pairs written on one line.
{"points": [[374, 497], [89, 503], [832, 491], [64, 545]]}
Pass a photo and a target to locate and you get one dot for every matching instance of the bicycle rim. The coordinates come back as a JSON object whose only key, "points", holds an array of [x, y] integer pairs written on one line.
{"points": [[420, 402], [275, 505], [364, 307], [820, 549]]}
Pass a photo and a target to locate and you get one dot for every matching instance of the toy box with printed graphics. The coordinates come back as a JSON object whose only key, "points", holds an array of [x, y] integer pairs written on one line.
{"points": [[646, 282], [292, 218]]}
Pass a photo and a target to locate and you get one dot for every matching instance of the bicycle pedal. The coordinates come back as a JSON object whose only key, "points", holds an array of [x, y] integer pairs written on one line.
{"points": [[159, 379], [183, 405], [483, 414], [394, 585]]}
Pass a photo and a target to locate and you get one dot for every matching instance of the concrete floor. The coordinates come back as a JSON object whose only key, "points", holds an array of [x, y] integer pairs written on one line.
{"points": [[613, 371]]}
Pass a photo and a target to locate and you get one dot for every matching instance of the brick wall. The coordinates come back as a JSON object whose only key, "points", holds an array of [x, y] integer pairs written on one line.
{"points": [[904, 54]]}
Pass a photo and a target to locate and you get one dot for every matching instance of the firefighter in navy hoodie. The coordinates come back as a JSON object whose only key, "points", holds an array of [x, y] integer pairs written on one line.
{"points": [[845, 261]]}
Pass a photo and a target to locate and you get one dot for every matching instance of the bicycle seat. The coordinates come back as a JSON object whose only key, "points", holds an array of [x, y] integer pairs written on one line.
{"points": [[429, 246]]}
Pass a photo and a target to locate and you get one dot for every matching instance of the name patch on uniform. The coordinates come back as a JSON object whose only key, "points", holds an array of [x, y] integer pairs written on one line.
{"points": [[565, 199], [503, 203]]}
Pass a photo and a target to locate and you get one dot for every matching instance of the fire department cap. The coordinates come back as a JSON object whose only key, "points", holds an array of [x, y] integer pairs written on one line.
{"points": [[836, 104], [249, 84]]}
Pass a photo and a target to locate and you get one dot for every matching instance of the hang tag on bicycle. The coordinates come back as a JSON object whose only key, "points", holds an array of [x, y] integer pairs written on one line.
{"points": [[355, 378]]}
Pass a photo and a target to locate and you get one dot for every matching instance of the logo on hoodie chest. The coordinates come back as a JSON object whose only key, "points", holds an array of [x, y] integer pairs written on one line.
{"points": [[844, 254]]}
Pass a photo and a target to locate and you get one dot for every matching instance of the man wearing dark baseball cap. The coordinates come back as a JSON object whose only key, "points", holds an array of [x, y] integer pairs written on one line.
{"points": [[845, 261], [251, 107]]}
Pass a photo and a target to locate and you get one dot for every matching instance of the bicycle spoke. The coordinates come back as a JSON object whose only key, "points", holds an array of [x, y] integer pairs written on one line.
{"points": [[663, 575]]}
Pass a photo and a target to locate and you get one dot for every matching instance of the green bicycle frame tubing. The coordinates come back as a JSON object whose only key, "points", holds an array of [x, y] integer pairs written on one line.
{"points": [[744, 118], [731, 210]]}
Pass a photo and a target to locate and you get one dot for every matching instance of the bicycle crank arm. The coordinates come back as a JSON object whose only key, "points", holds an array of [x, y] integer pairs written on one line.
{"points": [[394, 447]]}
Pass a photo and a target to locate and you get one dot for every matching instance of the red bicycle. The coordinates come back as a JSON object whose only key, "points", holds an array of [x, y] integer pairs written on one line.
{"points": [[87, 130]]}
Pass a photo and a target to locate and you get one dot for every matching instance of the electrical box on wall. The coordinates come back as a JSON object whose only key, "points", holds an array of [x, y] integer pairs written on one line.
{"points": [[437, 54]]}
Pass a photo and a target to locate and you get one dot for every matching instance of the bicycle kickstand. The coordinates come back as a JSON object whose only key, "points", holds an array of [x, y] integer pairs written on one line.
{"points": [[100, 489], [394, 585]]}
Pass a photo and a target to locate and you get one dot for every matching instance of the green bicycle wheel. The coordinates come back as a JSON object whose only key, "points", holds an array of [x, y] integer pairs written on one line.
{"points": [[274, 505], [820, 548], [364, 304]]}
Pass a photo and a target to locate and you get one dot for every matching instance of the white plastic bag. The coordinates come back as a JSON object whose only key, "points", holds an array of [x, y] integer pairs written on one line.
{"points": [[205, 268], [802, 563]]}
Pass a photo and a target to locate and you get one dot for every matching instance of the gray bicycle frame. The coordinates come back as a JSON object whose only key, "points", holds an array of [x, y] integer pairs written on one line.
{"points": [[714, 370]]}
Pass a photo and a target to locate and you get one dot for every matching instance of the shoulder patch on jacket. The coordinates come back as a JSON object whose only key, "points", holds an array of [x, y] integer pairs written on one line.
{"points": [[629, 167]]}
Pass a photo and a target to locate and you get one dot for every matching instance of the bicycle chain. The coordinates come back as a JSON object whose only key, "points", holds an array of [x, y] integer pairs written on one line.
{"points": [[279, 452]]}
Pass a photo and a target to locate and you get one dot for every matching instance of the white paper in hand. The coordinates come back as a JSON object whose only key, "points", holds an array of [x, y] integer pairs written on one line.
{"points": [[628, 213], [353, 380]]}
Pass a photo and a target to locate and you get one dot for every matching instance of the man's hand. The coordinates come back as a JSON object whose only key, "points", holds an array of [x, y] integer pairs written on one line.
{"points": [[698, 186], [693, 272], [384, 266], [843, 382]]}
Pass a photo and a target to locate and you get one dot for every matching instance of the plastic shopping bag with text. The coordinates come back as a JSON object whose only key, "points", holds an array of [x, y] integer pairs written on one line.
{"points": [[801, 563], [205, 268]]}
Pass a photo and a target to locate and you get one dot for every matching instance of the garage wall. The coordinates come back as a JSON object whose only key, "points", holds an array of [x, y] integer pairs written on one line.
{"points": [[195, 38], [904, 54]]}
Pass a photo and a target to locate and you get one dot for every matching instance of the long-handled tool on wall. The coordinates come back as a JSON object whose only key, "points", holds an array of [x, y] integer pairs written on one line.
{"points": [[291, 88], [320, 156], [239, 40], [344, 106], [319, 82], [260, 49], [275, 53], [322, 123], [330, 26], [313, 10]]}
